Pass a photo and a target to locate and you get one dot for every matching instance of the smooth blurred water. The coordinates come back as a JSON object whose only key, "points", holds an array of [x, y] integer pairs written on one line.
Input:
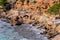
{"points": [[7, 32], [23, 32]]}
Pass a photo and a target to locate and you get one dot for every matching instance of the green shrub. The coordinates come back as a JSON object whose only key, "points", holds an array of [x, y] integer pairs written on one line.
{"points": [[22, 1], [4, 4], [54, 9], [34, 1]]}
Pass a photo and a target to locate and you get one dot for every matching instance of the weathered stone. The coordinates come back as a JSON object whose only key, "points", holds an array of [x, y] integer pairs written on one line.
{"points": [[58, 28], [12, 13], [56, 37]]}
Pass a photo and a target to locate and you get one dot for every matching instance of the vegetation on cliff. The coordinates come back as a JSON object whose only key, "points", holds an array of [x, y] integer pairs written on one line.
{"points": [[4, 4], [54, 9], [22, 1]]}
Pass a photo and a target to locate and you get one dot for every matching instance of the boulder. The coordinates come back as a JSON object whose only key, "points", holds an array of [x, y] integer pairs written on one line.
{"points": [[58, 29], [12, 13], [56, 37]]}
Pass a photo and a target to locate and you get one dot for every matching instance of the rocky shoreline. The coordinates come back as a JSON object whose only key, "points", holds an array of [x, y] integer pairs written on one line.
{"points": [[48, 23], [30, 26], [33, 20]]}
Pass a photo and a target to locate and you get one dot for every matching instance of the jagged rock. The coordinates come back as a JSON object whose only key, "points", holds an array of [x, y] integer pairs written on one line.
{"points": [[57, 37], [12, 13], [58, 28], [18, 5]]}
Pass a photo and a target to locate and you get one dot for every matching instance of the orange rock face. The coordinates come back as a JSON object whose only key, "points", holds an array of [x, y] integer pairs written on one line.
{"points": [[35, 9], [58, 29], [44, 4], [18, 4], [56, 38]]}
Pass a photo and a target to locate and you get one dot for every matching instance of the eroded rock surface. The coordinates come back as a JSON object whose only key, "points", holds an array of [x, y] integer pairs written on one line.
{"points": [[56, 37]]}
